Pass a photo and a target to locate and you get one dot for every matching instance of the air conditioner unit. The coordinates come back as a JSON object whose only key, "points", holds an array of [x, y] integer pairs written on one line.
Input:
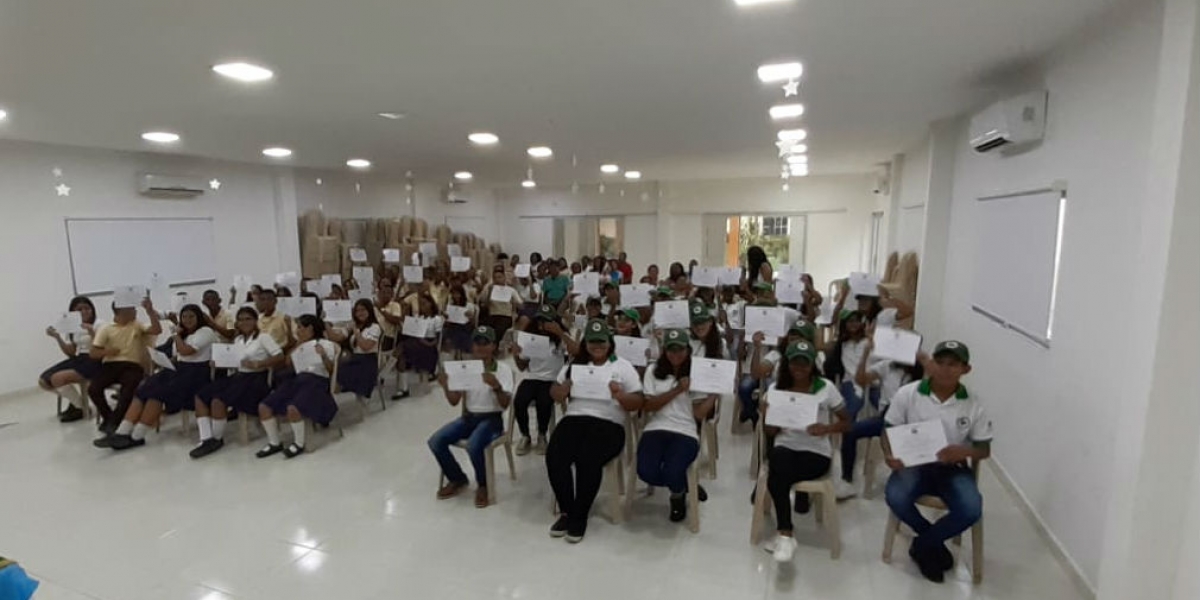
{"points": [[169, 186], [1014, 122], [454, 196]]}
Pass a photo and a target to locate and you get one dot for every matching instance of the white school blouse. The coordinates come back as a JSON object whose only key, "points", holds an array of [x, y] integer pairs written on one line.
{"points": [[201, 341], [83, 339], [677, 415], [604, 408], [331, 350], [259, 348], [801, 441], [483, 400], [372, 333]]}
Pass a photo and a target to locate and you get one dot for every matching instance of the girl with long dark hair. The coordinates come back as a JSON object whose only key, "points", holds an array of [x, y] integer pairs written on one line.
{"points": [[360, 374], [305, 396], [64, 377]]}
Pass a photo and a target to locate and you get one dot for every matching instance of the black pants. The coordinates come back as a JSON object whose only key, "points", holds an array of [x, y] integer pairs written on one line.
{"points": [[128, 375], [537, 392], [787, 468], [586, 443]]}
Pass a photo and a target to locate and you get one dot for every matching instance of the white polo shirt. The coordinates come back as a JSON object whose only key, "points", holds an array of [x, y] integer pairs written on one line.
{"points": [[677, 415], [201, 341], [963, 415], [483, 400], [605, 408], [373, 332], [547, 369], [801, 441]]}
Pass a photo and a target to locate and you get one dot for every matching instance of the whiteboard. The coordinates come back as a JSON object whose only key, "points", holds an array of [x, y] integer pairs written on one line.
{"points": [[110, 252], [1017, 241]]}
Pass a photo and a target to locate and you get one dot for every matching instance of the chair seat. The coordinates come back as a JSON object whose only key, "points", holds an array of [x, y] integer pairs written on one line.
{"points": [[932, 502]]}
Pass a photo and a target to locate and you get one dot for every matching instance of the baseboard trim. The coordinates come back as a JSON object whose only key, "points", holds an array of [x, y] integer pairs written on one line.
{"points": [[1056, 547]]}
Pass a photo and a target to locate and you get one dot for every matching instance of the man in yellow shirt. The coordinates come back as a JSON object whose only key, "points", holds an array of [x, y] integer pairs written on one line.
{"points": [[272, 323], [121, 348]]}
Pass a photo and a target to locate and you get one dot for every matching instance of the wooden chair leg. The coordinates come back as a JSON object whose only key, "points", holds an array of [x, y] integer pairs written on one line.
{"points": [[614, 474], [889, 536], [512, 465], [832, 526], [489, 460], [761, 507], [977, 552], [692, 499]]}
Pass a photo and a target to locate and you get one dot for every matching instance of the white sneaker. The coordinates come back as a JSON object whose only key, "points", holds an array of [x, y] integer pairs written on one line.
{"points": [[785, 547], [844, 489], [523, 446], [540, 448]]}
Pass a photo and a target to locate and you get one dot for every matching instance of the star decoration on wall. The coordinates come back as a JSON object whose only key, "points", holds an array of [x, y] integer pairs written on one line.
{"points": [[215, 184], [602, 188], [319, 182], [63, 189], [791, 88], [57, 171], [785, 148]]}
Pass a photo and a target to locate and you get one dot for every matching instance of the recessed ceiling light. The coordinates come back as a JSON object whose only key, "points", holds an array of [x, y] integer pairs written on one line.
{"points": [[395, 116], [757, 2], [793, 135], [610, 169], [540, 152], [358, 163], [777, 72], [464, 176], [529, 184], [799, 170], [160, 137], [277, 152], [633, 174], [244, 72], [797, 159], [798, 149], [787, 111], [483, 138]]}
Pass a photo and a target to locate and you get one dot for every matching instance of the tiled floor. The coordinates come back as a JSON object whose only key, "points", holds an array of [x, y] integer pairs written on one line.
{"points": [[357, 519]]}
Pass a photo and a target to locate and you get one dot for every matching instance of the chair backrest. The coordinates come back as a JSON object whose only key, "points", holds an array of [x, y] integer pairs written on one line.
{"points": [[333, 376]]}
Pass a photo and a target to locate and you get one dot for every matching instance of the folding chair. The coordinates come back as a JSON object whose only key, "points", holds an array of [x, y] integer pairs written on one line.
{"points": [[932, 502]]}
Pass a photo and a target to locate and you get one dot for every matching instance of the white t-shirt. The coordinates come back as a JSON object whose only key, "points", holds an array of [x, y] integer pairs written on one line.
{"points": [[677, 416], [698, 349], [201, 341], [852, 355], [886, 317], [891, 378], [547, 369], [801, 441], [767, 354], [373, 332], [260, 348], [331, 350], [483, 400], [962, 415], [605, 408]]}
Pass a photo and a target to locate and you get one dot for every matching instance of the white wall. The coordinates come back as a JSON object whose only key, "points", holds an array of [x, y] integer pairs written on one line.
{"points": [[909, 217], [103, 184]]}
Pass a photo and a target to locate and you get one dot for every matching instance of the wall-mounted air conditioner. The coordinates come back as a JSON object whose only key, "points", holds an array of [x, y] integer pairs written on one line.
{"points": [[170, 186], [1014, 122]]}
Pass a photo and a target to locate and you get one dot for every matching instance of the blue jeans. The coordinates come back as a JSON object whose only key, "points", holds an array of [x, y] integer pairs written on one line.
{"points": [[479, 431], [663, 458], [955, 485], [854, 402], [745, 394], [866, 428]]}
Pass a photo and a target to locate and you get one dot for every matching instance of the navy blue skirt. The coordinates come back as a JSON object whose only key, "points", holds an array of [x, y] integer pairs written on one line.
{"points": [[176, 389], [86, 366], [308, 393], [458, 337], [360, 374], [241, 391], [529, 310], [420, 357]]}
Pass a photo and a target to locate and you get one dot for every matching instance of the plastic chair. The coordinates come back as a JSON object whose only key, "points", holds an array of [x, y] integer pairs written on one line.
{"points": [[824, 508], [614, 484], [932, 502], [710, 447], [87, 407], [489, 455], [693, 494], [309, 426]]}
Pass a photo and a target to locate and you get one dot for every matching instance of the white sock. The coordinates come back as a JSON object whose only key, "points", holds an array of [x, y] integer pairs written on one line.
{"points": [[125, 428], [205, 425], [404, 381], [271, 426], [71, 393], [218, 428], [139, 431], [298, 432]]}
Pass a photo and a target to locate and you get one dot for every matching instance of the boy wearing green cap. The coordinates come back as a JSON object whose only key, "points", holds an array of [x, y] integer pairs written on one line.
{"points": [[940, 396]]}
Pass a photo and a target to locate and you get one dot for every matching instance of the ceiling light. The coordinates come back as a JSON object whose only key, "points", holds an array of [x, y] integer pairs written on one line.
{"points": [[610, 169], [277, 152], [793, 135], [799, 170], [540, 152], [633, 174], [244, 72], [394, 116], [774, 73], [160, 137], [464, 176], [787, 111], [798, 149], [758, 2], [358, 163], [483, 138], [3, 114], [529, 184], [797, 159]]}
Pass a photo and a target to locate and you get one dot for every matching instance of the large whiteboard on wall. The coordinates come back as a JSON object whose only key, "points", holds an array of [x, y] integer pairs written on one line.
{"points": [[1016, 260], [111, 252]]}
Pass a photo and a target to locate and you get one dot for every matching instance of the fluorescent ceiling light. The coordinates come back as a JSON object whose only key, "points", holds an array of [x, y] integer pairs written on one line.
{"points": [[529, 184], [358, 163], [483, 138], [798, 149], [787, 111], [244, 72], [464, 176], [633, 174], [160, 137], [797, 159], [3, 114], [610, 169], [277, 152], [758, 2], [774, 73], [394, 116], [540, 152], [793, 135], [799, 170]]}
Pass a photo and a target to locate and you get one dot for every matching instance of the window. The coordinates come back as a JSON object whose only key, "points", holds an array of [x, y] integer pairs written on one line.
{"points": [[776, 226], [608, 244]]}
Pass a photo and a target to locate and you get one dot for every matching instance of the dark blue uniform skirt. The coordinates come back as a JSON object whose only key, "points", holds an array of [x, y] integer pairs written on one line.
{"points": [[458, 337], [360, 374], [420, 357], [176, 389], [83, 364], [241, 391], [308, 393]]}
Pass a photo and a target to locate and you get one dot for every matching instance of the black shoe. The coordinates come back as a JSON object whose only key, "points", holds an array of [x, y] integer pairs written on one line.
{"points": [[802, 503], [124, 442], [269, 450], [103, 442], [206, 447], [927, 562], [576, 530], [943, 558], [678, 508], [701, 494], [400, 395], [109, 427], [71, 415], [293, 451], [559, 528]]}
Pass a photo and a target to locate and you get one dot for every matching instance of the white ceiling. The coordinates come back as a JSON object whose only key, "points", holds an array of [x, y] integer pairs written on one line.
{"points": [[664, 86]]}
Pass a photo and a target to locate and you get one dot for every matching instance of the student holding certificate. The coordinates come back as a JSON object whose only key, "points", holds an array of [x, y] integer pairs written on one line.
{"points": [[79, 366], [360, 374], [482, 420], [670, 441], [501, 303], [242, 391], [541, 373], [598, 389], [420, 345], [305, 396], [940, 397], [456, 338], [800, 454]]}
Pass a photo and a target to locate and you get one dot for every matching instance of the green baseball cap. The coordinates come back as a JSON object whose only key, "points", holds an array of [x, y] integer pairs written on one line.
{"points": [[631, 314], [802, 349], [676, 338], [958, 349], [763, 285], [664, 291], [546, 313], [699, 313], [596, 331], [483, 332], [806, 330]]}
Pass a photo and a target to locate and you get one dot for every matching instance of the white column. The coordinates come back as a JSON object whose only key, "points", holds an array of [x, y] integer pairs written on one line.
{"points": [[945, 137], [287, 228], [893, 208]]}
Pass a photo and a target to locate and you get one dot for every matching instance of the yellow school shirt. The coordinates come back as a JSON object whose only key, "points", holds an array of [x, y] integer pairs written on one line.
{"points": [[275, 326], [393, 308], [131, 339]]}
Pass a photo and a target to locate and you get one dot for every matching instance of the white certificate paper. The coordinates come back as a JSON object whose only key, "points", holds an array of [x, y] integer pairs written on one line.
{"points": [[454, 250], [864, 284], [428, 250], [590, 381], [897, 345], [460, 264], [365, 276], [788, 273], [414, 274], [297, 306], [289, 280], [522, 270], [227, 356], [586, 284], [391, 255], [792, 410], [632, 349], [358, 255], [789, 291], [501, 293], [713, 376], [735, 315], [708, 277], [533, 346], [457, 314], [826, 316], [917, 444], [128, 296], [356, 295], [69, 323], [730, 276], [463, 375], [338, 311], [770, 320], [161, 359], [634, 296], [414, 327], [672, 314]]}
